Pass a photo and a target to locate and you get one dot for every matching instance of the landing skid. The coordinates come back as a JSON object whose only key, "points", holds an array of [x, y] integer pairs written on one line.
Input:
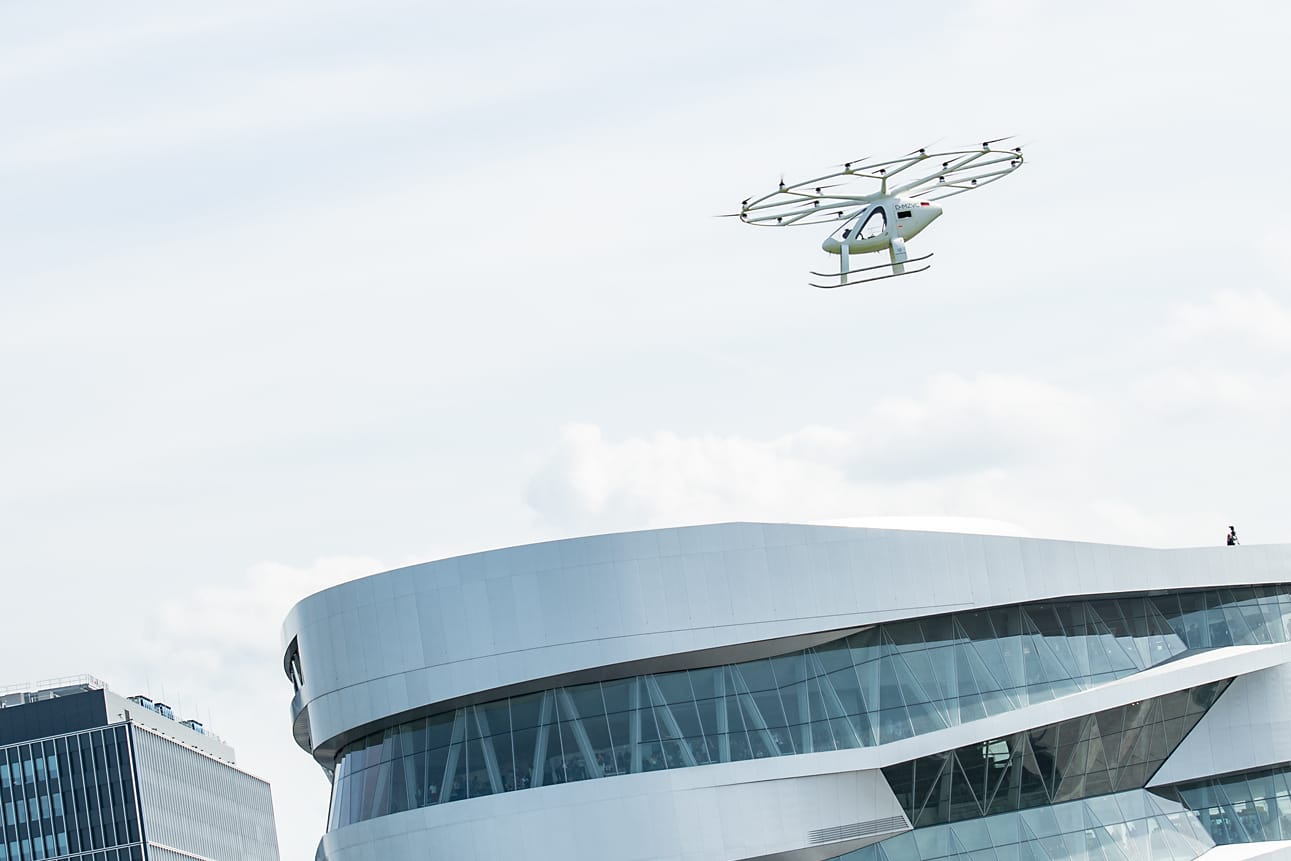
{"points": [[875, 278], [872, 268], [899, 266]]}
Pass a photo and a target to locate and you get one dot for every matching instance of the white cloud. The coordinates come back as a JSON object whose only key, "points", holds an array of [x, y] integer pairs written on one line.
{"points": [[951, 450], [1186, 392], [969, 425], [1250, 318], [263, 106], [1217, 359], [214, 652], [81, 44], [968, 525], [228, 628], [668, 478]]}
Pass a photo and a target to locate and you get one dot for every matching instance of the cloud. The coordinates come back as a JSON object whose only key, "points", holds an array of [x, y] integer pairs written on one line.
{"points": [[222, 631], [970, 525], [86, 43], [951, 449], [213, 651], [1180, 392], [1252, 318], [1216, 359], [958, 425], [271, 104]]}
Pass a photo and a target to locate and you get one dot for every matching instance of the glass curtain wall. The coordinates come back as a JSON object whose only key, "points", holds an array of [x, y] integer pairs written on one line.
{"points": [[1250, 807], [1128, 826], [1097, 754], [883, 684], [69, 795]]}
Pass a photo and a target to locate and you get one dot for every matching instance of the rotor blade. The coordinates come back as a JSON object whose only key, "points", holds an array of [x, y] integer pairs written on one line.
{"points": [[806, 188], [923, 150], [986, 144]]}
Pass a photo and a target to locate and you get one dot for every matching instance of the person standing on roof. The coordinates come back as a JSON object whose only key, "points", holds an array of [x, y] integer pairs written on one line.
{"points": [[1232, 537]]}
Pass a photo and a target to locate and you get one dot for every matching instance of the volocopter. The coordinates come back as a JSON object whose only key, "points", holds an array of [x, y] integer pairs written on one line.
{"points": [[886, 218]]}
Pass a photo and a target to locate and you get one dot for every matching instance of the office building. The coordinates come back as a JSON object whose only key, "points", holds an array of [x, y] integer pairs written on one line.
{"points": [[86, 775], [802, 692]]}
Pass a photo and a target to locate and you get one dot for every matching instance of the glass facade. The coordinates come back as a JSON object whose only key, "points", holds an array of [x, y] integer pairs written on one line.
{"points": [[1070, 790], [1127, 826], [886, 683], [1240, 808], [1097, 754], [70, 797]]}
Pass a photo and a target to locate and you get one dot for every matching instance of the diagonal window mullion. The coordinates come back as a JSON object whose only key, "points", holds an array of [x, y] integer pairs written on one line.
{"points": [[664, 711], [584, 742], [834, 709], [752, 714], [539, 771]]}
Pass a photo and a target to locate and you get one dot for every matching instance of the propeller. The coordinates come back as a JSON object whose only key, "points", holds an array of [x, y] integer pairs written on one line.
{"points": [[987, 144], [923, 150]]}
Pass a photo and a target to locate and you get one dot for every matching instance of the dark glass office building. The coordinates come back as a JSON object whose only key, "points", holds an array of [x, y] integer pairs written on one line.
{"points": [[86, 775]]}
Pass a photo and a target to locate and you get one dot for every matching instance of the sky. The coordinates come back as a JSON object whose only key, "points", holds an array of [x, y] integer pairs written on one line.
{"points": [[293, 292]]}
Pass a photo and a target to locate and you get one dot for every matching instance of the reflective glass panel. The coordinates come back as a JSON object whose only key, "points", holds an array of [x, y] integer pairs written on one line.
{"points": [[1097, 754], [882, 684], [1249, 807], [1127, 826]]}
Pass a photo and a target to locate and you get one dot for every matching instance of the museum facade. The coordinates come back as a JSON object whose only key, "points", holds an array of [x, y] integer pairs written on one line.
{"points": [[802, 692]]}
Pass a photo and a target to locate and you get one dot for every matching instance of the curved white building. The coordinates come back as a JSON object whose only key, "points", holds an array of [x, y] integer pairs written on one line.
{"points": [[757, 691]]}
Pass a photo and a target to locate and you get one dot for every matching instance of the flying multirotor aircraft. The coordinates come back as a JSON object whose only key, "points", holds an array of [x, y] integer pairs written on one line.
{"points": [[882, 219]]}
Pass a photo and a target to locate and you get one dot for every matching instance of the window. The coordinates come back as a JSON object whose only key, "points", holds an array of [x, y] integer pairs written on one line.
{"points": [[875, 225], [291, 664], [905, 213], [884, 683]]}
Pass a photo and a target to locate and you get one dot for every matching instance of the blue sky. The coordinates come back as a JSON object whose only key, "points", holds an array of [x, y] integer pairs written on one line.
{"points": [[292, 292]]}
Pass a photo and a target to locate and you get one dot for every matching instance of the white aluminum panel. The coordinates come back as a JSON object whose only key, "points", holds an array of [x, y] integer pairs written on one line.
{"points": [[1249, 727], [689, 814], [582, 603], [1274, 850], [200, 806]]}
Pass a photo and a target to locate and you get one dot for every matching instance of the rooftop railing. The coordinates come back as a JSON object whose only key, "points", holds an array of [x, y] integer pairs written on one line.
{"points": [[84, 682]]}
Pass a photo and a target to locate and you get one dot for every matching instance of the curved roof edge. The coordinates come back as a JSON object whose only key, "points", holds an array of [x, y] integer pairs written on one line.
{"points": [[393, 642], [940, 525]]}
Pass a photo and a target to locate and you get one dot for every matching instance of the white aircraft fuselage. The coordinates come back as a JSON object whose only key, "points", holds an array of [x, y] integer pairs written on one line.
{"points": [[880, 223]]}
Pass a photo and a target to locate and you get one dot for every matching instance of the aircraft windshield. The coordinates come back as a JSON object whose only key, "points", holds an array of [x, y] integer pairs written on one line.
{"points": [[875, 225]]}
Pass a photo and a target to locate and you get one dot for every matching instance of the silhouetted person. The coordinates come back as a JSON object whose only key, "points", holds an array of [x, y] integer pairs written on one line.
{"points": [[1232, 537]]}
